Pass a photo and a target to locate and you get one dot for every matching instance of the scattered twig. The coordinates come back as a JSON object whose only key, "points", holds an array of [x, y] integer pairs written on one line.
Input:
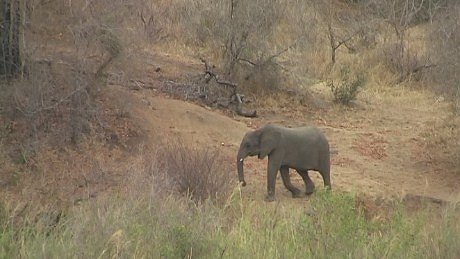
{"points": [[248, 61], [422, 67]]}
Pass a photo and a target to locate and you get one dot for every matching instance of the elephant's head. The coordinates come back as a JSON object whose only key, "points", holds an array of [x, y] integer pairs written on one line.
{"points": [[260, 142]]}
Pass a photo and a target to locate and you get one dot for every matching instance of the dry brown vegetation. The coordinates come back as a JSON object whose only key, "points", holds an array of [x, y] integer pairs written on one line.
{"points": [[89, 124], [274, 50], [197, 173]]}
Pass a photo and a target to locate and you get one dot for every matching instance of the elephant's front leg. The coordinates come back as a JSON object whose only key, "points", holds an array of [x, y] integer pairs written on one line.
{"points": [[274, 164], [296, 193]]}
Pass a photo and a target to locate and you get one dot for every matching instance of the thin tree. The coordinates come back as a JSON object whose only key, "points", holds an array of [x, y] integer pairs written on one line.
{"points": [[11, 37]]}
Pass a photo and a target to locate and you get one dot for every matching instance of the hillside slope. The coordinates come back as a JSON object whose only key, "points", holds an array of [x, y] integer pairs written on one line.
{"points": [[380, 143]]}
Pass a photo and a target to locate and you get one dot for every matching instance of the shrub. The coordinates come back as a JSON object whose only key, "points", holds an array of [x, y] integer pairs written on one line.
{"points": [[404, 62], [265, 77], [197, 173], [241, 35], [348, 87], [55, 96]]}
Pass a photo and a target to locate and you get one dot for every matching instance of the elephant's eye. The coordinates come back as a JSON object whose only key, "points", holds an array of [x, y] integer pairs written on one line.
{"points": [[246, 145]]}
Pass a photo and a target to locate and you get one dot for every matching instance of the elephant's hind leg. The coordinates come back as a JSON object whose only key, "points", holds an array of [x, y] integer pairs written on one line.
{"points": [[309, 185], [326, 174], [296, 193], [327, 180], [325, 171]]}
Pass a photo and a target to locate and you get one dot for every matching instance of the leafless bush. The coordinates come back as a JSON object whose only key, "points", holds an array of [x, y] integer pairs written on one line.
{"points": [[156, 19], [55, 98], [250, 26], [403, 61], [198, 173], [51, 101], [242, 32], [344, 26], [267, 76], [400, 56]]}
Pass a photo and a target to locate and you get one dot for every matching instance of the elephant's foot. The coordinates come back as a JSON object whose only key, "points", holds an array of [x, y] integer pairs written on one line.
{"points": [[298, 194], [270, 198], [310, 190]]}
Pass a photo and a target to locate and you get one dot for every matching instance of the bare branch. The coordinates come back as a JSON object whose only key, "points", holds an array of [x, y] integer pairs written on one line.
{"points": [[234, 97]]}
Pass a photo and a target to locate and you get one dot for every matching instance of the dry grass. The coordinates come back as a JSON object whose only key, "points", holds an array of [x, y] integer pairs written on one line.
{"points": [[444, 142], [199, 174], [9, 175], [142, 218], [286, 44]]}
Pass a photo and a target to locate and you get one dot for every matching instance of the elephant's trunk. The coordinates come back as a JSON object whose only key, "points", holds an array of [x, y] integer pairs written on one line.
{"points": [[239, 165]]}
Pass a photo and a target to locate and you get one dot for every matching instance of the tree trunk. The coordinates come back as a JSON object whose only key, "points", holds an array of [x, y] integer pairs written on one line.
{"points": [[332, 43], [11, 37]]}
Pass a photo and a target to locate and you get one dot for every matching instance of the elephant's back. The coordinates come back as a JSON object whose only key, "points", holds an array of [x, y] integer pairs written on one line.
{"points": [[307, 130], [306, 134], [309, 135]]}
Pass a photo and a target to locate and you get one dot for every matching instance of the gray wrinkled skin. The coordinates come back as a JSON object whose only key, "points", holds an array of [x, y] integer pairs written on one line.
{"points": [[301, 149]]}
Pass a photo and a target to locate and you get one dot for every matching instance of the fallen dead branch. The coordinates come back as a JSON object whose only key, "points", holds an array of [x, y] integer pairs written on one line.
{"points": [[234, 98], [209, 89]]}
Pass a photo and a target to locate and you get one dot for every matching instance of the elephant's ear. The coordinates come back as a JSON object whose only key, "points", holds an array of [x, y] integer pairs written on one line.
{"points": [[269, 140]]}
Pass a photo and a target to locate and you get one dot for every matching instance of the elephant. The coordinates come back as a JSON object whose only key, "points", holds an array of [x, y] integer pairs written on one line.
{"points": [[302, 149]]}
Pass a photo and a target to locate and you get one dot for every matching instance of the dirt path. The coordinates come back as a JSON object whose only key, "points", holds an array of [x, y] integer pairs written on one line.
{"points": [[383, 154], [380, 142]]}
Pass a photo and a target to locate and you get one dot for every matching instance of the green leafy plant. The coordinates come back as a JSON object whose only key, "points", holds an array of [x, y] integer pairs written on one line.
{"points": [[348, 87]]}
